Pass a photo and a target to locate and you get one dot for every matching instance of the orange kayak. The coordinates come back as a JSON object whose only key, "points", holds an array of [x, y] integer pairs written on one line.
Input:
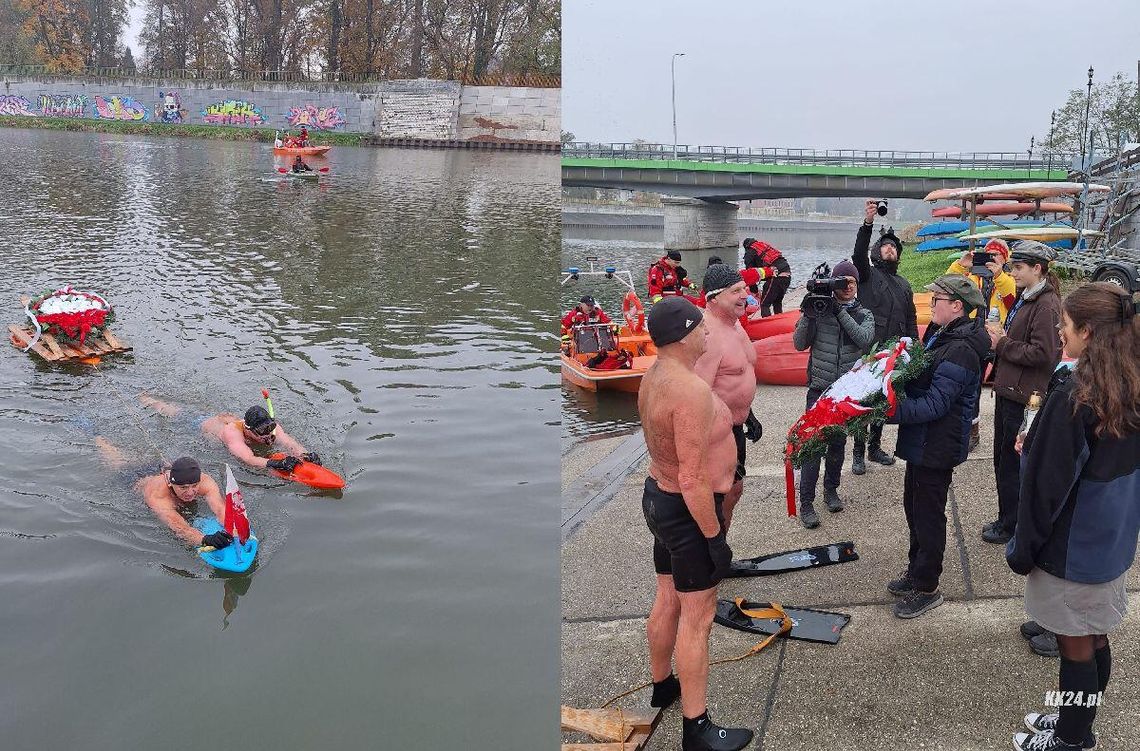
{"points": [[313, 475], [301, 150], [762, 328]]}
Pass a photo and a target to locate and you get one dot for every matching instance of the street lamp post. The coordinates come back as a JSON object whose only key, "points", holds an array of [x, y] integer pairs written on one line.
{"points": [[1085, 132], [1031, 141], [673, 72], [1052, 120]]}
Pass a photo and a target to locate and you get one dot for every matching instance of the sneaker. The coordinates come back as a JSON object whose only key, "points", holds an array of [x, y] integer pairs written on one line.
{"points": [[996, 534], [708, 736], [1042, 742], [879, 456], [916, 603], [1047, 723], [902, 586], [857, 465], [1029, 629], [1045, 644], [832, 499], [808, 517]]}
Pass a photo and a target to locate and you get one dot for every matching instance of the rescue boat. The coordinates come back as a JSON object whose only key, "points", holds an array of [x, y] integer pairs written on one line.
{"points": [[302, 150]]}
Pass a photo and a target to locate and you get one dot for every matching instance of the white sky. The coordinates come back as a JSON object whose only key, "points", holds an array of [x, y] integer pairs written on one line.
{"points": [[130, 36], [970, 75]]}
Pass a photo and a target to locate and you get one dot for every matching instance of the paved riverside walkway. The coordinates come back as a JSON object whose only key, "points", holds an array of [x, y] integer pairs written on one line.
{"points": [[959, 677]]}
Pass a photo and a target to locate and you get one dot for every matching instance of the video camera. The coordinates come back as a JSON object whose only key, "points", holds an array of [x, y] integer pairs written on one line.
{"points": [[821, 289]]}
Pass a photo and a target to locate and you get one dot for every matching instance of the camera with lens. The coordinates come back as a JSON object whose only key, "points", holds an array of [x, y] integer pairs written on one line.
{"points": [[821, 289], [978, 266], [881, 208]]}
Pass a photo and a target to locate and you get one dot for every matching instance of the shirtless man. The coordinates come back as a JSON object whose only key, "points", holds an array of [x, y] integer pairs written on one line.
{"points": [[729, 364], [176, 488], [257, 428], [692, 453]]}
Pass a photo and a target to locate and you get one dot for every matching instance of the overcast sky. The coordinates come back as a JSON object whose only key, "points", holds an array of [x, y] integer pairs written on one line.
{"points": [[885, 74]]}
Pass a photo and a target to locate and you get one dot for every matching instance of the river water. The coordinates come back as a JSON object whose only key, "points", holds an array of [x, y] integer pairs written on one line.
{"points": [[587, 414], [400, 316]]}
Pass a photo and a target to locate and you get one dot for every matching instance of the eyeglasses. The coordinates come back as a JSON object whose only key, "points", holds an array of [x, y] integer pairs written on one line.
{"points": [[943, 299]]}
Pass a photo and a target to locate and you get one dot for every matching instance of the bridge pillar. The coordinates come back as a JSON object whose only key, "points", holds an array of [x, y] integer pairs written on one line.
{"points": [[700, 229]]}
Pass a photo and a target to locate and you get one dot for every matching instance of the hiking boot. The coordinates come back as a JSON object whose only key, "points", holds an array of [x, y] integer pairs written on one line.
{"points": [[1047, 723], [996, 534], [857, 465], [902, 586], [808, 517], [916, 603], [975, 436], [879, 456], [832, 499], [1029, 629], [1043, 742], [705, 735], [1045, 645]]}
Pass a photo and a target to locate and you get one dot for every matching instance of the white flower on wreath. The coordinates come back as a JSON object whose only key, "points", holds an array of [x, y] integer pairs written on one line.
{"points": [[866, 376]]}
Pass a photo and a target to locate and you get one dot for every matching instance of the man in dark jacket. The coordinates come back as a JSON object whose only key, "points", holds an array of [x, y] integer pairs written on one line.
{"points": [[889, 297], [837, 338], [934, 433]]}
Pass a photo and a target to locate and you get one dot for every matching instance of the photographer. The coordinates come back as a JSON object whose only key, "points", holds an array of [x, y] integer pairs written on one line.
{"points": [[934, 422], [1027, 349], [774, 269], [890, 299], [838, 330]]}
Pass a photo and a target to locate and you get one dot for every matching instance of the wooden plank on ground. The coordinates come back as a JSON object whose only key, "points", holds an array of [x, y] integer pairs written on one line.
{"points": [[636, 742], [607, 724], [23, 338]]}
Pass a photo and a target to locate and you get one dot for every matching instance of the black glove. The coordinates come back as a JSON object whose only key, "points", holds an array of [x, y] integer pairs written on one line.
{"points": [[721, 555], [753, 430], [833, 309], [218, 540], [311, 457], [287, 464]]}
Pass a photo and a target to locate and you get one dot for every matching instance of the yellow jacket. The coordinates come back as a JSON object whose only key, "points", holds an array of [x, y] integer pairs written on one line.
{"points": [[1005, 289]]}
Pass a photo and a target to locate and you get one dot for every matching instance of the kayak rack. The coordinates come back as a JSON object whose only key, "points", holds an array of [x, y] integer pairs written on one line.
{"points": [[628, 730]]}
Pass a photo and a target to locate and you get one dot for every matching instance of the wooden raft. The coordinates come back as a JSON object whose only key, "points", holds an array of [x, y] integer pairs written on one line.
{"points": [[618, 729], [52, 350]]}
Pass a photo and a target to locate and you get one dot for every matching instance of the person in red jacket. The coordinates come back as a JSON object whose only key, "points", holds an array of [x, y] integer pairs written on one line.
{"points": [[586, 311], [666, 277], [773, 269], [304, 136]]}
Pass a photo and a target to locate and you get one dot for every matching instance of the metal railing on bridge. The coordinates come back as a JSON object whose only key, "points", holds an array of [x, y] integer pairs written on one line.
{"points": [[816, 157]]}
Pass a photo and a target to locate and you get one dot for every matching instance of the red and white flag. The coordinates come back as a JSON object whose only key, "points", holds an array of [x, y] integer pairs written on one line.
{"points": [[235, 522]]}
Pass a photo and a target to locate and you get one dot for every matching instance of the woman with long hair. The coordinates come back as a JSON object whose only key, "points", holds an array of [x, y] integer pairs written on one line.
{"points": [[1080, 513], [1026, 350]]}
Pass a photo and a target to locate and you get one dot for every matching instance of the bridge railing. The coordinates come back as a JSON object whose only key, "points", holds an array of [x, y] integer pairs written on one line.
{"points": [[814, 157]]}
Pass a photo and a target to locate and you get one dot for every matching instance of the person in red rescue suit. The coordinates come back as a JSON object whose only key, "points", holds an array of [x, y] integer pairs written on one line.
{"points": [[586, 311], [666, 277], [774, 270]]}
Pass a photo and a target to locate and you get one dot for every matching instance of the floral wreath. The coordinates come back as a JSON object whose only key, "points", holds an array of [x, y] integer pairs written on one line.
{"points": [[69, 312]]}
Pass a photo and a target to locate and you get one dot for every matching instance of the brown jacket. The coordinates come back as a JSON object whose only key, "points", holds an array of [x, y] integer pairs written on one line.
{"points": [[1028, 354]]}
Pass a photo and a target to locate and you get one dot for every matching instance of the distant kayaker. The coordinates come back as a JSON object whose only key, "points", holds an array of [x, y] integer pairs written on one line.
{"points": [[256, 429], [300, 166], [666, 277], [585, 312], [773, 269]]}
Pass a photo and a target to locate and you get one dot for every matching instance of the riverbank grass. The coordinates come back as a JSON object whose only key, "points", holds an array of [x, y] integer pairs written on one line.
{"points": [[215, 132], [920, 269]]}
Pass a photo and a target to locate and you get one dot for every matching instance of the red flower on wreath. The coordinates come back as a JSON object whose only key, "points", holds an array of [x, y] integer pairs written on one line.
{"points": [[70, 312]]}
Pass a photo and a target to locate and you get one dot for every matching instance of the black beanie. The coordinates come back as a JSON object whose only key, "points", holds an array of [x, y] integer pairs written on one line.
{"points": [[672, 319], [718, 278], [674, 255], [185, 471]]}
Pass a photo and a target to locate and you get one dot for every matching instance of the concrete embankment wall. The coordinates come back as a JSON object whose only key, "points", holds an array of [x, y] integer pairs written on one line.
{"points": [[422, 108]]}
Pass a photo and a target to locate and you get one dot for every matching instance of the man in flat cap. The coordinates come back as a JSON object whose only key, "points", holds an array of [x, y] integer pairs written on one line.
{"points": [[934, 435], [692, 459]]}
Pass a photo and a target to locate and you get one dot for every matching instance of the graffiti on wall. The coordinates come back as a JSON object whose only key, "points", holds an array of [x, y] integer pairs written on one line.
{"points": [[233, 112], [15, 105], [119, 108], [321, 118], [169, 109], [63, 105]]}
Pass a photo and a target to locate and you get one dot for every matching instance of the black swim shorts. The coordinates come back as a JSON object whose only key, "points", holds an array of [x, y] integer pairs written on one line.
{"points": [[738, 434], [679, 547]]}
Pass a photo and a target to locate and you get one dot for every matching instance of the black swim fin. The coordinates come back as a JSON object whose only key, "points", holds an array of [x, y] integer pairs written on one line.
{"points": [[820, 626], [794, 560]]}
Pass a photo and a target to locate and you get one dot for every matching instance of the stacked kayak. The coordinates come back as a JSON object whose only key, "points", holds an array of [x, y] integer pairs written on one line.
{"points": [[953, 234]]}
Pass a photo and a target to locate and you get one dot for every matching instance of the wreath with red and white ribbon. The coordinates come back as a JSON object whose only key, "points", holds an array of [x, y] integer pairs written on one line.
{"points": [[867, 393], [68, 312]]}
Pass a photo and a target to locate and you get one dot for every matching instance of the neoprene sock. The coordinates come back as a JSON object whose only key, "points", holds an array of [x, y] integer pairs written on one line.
{"points": [[1075, 720], [702, 734], [665, 691], [1103, 659]]}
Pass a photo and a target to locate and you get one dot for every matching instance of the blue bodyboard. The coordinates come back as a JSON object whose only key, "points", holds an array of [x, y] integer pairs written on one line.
{"points": [[235, 558]]}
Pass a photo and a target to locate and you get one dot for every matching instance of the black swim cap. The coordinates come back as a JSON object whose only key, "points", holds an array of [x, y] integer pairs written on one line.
{"points": [[257, 416], [185, 471], [672, 319]]}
